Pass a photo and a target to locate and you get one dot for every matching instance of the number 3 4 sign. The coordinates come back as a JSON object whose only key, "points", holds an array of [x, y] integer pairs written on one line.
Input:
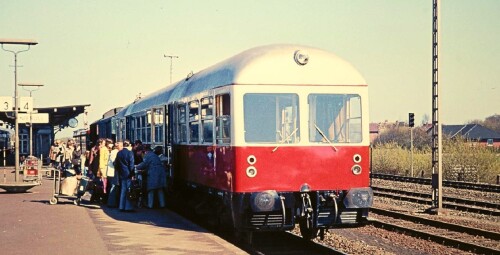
{"points": [[7, 104]]}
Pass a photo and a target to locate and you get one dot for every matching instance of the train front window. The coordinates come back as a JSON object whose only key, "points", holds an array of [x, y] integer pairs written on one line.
{"points": [[335, 118], [271, 118]]}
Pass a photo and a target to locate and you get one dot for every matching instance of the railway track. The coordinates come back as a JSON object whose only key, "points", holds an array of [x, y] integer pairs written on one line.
{"points": [[262, 243], [481, 207], [452, 235], [285, 243], [428, 181]]}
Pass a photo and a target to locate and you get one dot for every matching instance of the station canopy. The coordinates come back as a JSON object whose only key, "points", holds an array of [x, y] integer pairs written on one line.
{"points": [[58, 116]]}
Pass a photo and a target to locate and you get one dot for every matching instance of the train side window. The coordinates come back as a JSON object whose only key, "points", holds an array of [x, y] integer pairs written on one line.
{"points": [[138, 128], [146, 129], [181, 123], [223, 118], [194, 121], [158, 124], [129, 128], [207, 121], [122, 129]]}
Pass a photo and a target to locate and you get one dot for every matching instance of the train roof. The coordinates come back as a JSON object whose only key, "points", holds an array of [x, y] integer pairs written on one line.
{"points": [[281, 64]]}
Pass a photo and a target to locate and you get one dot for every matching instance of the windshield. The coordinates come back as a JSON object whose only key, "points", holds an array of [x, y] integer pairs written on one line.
{"points": [[335, 118], [271, 118]]}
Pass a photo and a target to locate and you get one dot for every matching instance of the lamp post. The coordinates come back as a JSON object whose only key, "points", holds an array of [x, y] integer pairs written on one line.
{"points": [[171, 57], [30, 87], [16, 93]]}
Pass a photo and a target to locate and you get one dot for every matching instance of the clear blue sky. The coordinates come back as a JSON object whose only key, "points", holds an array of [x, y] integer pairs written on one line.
{"points": [[104, 53]]}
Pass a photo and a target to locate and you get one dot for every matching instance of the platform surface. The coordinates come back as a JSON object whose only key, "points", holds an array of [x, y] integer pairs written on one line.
{"points": [[30, 225]]}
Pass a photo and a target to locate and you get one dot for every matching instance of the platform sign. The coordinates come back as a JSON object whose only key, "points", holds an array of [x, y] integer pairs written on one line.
{"points": [[6, 104], [35, 118], [26, 104]]}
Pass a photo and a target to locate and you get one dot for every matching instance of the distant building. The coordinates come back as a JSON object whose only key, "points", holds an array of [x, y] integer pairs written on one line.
{"points": [[378, 128], [473, 132], [374, 131]]}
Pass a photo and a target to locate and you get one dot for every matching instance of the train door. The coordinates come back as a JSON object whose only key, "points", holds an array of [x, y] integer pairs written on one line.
{"points": [[224, 158], [168, 134], [156, 119]]}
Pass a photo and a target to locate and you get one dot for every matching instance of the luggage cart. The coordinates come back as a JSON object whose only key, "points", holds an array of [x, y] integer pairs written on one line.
{"points": [[57, 194]]}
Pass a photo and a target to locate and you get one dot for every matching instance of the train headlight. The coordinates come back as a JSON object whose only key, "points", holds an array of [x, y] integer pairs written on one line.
{"points": [[251, 159], [356, 169], [359, 198], [301, 57], [264, 201], [251, 171], [305, 187], [356, 158]]}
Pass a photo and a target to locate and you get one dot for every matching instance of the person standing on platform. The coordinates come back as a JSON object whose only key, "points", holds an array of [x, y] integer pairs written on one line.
{"points": [[103, 165], [76, 160], [68, 158], [156, 177], [53, 153], [59, 155], [93, 160], [124, 168], [138, 150], [112, 177], [95, 155]]}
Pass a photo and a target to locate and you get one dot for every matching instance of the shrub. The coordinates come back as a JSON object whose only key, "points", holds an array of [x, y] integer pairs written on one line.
{"points": [[462, 160]]}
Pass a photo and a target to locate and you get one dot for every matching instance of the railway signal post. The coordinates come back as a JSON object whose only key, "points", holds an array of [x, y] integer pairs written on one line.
{"points": [[411, 123], [437, 163]]}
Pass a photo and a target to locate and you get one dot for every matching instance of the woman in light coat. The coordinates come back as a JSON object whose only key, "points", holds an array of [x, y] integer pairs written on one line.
{"points": [[112, 177]]}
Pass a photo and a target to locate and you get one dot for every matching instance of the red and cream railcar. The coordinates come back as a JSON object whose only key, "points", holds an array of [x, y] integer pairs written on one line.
{"points": [[274, 136]]}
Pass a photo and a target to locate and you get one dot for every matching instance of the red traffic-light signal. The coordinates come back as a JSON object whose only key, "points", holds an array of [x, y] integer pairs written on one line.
{"points": [[411, 117]]}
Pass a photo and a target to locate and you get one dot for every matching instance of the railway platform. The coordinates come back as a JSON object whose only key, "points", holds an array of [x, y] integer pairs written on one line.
{"points": [[30, 225]]}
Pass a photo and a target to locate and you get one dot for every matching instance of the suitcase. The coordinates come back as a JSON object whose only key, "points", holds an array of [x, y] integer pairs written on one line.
{"points": [[83, 186]]}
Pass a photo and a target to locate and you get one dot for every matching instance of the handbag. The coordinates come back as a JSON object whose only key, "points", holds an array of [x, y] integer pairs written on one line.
{"points": [[134, 191]]}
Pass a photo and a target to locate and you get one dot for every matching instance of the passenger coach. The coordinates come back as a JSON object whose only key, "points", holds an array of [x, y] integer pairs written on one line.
{"points": [[274, 136]]}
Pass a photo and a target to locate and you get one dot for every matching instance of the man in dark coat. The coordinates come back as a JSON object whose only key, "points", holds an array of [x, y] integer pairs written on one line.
{"points": [[124, 168]]}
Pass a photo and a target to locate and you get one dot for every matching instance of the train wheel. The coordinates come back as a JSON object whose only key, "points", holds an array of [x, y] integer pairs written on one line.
{"points": [[53, 201], [224, 214], [77, 201], [306, 229], [244, 236]]}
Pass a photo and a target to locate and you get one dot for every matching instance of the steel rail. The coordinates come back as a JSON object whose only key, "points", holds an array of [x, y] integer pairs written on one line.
{"points": [[462, 245], [446, 199], [438, 224], [427, 181], [283, 243], [484, 211], [435, 238]]}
